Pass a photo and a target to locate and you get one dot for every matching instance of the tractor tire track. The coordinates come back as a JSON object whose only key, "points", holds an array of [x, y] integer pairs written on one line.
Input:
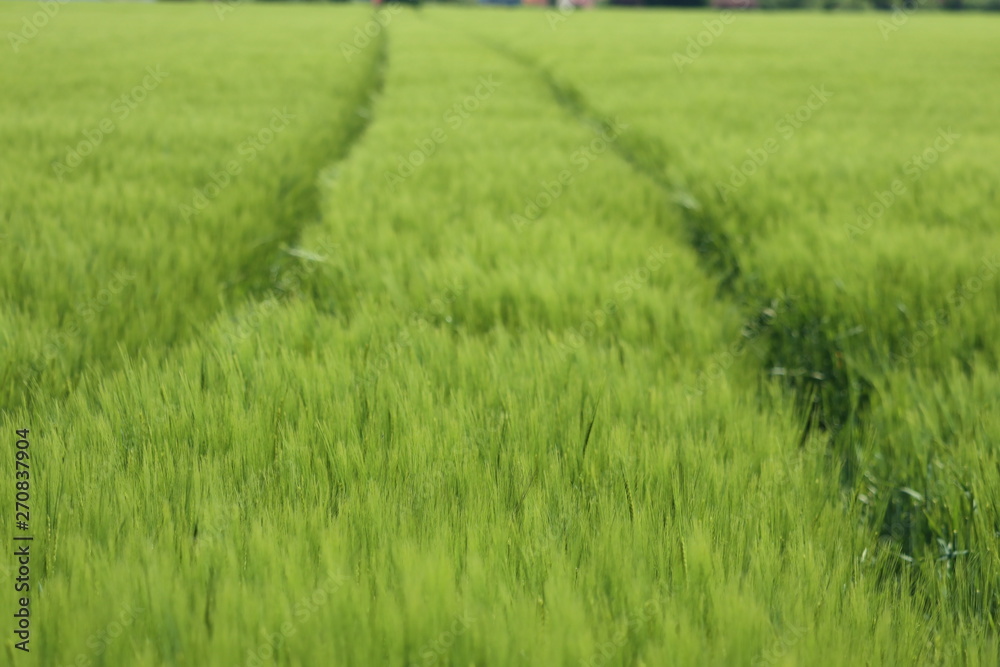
{"points": [[296, 203], [651, 159], [796, 343], [831, 397], [299, 204]]}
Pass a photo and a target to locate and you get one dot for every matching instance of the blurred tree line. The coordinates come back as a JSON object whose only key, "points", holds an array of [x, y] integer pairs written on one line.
{"points": [[954, 5], [987, 5]]}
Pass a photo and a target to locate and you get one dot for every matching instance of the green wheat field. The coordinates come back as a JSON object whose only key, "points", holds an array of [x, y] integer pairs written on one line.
{"points": [[458, 336]]}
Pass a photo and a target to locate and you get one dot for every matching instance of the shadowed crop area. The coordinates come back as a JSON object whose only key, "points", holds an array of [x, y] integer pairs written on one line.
{"points": [[452, 336]]}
